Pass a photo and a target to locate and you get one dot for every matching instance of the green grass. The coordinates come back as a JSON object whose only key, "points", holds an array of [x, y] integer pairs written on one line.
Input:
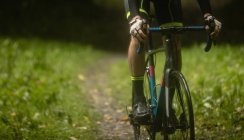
{"points": [[217, 88], [40, 93], [216, 81]]}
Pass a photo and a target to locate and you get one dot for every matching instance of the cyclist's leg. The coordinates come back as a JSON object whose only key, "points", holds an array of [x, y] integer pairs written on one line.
{"points": [[137, 64], [137, 70]]}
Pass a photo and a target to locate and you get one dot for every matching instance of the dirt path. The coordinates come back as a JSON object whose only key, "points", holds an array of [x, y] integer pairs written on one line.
{"points": [[114, 125]]}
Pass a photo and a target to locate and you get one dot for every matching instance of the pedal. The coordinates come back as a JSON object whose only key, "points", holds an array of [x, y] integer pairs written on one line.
{"points": [[135, 121], [147, 120]]}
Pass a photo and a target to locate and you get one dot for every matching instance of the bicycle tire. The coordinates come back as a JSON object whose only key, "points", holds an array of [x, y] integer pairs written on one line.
{"points": [[183, 110]]}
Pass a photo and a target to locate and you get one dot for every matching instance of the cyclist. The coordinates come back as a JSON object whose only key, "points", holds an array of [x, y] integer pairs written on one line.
{"points": [[168, 13]]}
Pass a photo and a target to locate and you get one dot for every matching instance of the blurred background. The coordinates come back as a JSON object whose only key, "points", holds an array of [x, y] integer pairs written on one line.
{"points": [[97, 21]]}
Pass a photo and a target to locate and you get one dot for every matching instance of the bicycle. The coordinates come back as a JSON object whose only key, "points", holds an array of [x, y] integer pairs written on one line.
{"points": [[173, 84]]}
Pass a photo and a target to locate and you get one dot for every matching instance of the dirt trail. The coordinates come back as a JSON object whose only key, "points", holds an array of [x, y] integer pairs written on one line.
{"points": [[114, 125]]}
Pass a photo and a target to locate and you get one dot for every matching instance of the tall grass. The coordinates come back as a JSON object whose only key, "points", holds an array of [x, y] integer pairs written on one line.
{"points": [[216, 81], [40, 95]]}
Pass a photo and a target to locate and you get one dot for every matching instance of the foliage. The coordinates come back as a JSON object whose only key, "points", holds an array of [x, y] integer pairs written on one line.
{"points": [[40, 95], [217, 87], [216, 83]]}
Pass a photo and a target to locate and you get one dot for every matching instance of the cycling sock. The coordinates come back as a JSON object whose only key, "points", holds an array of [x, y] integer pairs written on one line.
{"points": [[137, 90]]}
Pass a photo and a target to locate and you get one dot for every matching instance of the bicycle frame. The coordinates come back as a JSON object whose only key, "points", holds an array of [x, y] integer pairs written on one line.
{"points": [[160, 100]]}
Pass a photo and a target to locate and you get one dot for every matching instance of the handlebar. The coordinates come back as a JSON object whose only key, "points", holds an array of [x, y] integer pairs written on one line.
{"points": [[176, 29], [184, 29], [180, 30]]}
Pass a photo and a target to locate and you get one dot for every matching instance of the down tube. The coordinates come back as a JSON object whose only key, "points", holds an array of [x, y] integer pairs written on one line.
{"points": [[153, 89]]}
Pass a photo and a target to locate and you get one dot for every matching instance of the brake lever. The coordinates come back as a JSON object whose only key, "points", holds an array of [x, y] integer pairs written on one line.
{"points": [[209, 44]]}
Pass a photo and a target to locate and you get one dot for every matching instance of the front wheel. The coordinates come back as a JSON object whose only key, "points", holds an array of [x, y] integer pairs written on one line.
{"points": [[181, 111]]}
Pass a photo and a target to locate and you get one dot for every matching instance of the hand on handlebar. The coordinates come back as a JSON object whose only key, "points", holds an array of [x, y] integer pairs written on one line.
{"points": [[212, 25], [138, 28]]}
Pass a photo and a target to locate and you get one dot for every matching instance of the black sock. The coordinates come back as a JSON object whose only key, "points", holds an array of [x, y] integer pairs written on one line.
{"points": [[137, 90]]}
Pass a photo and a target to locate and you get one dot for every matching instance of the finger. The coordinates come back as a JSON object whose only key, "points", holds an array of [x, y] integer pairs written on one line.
{"points": [[216, 31], [219, 28], [214, 35], [138, 36], [142, 34], [218, 24]]}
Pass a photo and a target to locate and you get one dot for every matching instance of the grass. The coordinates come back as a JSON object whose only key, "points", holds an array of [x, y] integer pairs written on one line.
{"points": [[217, 89], [216, 81], [40, 94]]}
